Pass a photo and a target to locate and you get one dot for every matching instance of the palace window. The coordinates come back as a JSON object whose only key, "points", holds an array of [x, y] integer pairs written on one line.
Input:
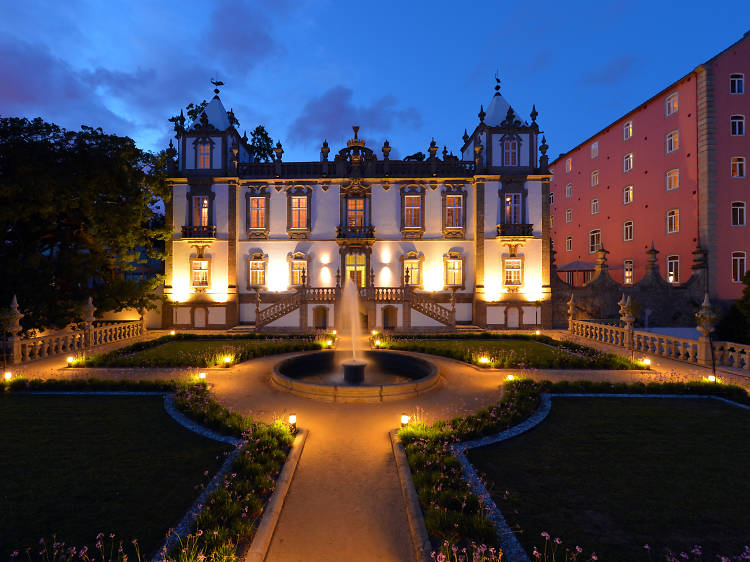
{"points": [[569, 191], [454, 211], [512, 268], [673, 221], [203, 155], [594, 206], [737, 125], [355, 212], [454, 269], [595, 240], [672, 141], [413, 272], [736, 83], [594, 178], [298, 271], [673, 269], [257, 270], [627, 231], [672, 179], [568, 165], [199, 273], [568, 243], [299, 212], [513, 208], [510, 152], [738, 167], [672, 104], [201, 211], [627, 162], [568, 215], [738, 213], [627, 272], [257, 212], [627, 195], [739, 266], [355, 266], [413, 211], [594, 149], [627, 130]]}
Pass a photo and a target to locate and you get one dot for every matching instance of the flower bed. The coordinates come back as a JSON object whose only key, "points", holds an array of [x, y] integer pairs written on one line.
{"points": [[509, 351]]}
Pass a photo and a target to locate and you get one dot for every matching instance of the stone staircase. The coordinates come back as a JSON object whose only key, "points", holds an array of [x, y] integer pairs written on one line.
{"points": [[277, 310], [427, 305]]}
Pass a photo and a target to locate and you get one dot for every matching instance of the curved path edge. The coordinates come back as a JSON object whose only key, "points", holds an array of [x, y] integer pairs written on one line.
{"points": [[271, 514], [512, 548]]}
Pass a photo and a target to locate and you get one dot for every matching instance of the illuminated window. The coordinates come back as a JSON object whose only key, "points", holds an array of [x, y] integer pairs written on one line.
{"points": [[454, 211], [627, 130], [568, 215], [413, 272], [672, 141], [510, 153], [737, 84], [257, 212], [627, 272], [257, 273], [413, 211], [738, 213], [199, 274], [454, 272], [627, 231], [673, 269], [738, 167], [298, 272], [594, 178], [299, 212], [354, 265], [627, 195], [513, 208], [355, 212], [512, 268], [673, 221], [200, 211], [672, 179], [551, 221], [737, 125], [739, 266], [569, 191], [568, 243], [594, 149], [203, 153], [568, 165], [594, 206], [672, 104], [627, 162], [595, 240]]}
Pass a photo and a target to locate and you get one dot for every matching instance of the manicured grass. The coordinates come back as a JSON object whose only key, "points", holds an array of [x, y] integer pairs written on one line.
{"points": [[539, 352], [78, 465], [613, 474]]}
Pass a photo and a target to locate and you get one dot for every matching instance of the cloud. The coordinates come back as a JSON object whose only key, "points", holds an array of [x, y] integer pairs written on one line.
{"points": [[614, 71], [332, 114]]}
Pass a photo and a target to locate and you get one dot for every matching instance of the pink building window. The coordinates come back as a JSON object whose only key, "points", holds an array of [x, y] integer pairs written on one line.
{"points": [[569, 191], [672, 141], [627, 162], [594, 149], [672, 104], [739, 266], [737, 125], [737, 84], [595, 240], [568, 165], [510, 153], [568, 243], [738, 167], [627, 231], [627, 272], [627, 130], [738, 213], [672, 179], [594, 178], [673, 221], [673, 269], [627, 195]]}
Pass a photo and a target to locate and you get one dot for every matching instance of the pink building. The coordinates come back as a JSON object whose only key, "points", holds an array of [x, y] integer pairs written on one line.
{"points": [[672, 172]]}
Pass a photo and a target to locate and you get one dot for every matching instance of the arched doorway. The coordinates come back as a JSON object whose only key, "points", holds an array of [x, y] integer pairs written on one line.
{"points": [[389, 317]]}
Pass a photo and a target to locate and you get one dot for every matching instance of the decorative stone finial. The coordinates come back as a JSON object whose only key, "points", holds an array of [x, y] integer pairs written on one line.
{"points": [[445, 152], [534, 113], [324, 150], [432, 149], [171, 150], [386, 150], [244, 136], [466, 137], [216, 84], [88, 311], [706, 317], [497, 84], [14, 324], [481, 114], [279, 151]]}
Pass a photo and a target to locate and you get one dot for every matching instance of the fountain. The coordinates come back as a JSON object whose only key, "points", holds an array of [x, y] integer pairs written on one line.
{"points": [[352, 373]]}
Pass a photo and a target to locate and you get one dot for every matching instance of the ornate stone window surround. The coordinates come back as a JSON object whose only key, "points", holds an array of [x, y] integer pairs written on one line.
{"points": [[252, 192], [200, 190], [299, 191], [512, 256], [355, 190], [257, 256], [297, 257], [412, 256], [458, 232], [200, 256], [452, 256], [200, 141], [513, 187], [412, 232], [510, 137], [355, 248]]}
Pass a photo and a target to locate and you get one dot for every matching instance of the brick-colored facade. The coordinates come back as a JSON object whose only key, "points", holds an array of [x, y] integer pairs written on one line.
{"points": [[683, 189]]}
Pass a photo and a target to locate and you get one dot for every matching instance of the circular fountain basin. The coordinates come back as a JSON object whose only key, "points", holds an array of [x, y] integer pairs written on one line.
{"points": [[388, 375]]}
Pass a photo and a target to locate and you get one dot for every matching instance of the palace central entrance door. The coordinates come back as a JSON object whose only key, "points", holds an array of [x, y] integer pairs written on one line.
{"points": [[355, 268]]}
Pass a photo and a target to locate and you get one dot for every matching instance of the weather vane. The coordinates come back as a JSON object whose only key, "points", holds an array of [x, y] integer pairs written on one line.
{"points": [[216, 84]]}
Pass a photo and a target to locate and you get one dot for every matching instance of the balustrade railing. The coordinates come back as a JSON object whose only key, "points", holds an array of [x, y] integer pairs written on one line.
{"points": [[320, 294], [432, 309], [389, 294], [286, 305]]}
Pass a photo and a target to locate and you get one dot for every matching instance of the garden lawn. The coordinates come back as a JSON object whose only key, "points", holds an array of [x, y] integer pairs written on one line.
{"points": [[75, 466], [614, 474]]}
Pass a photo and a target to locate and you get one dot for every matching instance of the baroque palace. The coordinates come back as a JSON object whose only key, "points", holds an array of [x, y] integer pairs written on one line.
{"points": [[431, 241]]}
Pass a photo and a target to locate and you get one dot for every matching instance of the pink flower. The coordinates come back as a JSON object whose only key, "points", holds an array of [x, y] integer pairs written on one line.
{"points": [[545, 534]]}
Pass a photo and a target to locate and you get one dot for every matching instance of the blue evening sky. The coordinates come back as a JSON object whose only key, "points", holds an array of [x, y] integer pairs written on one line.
{"points": [[308, 70]]}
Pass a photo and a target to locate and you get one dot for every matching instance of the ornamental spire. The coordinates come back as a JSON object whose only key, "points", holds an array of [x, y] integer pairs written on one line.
{"points": [[497, 83]]}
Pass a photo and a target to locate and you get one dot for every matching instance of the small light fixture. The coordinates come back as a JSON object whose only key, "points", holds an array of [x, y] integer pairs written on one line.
{"points": [[70, 359], [510, 377], [711, 378], [374, 332], [484, 360], [202, 376], [172, 332], [377, 343], [329, 343], [8, 375], [334, 332], [647, 362], [293, 422], [405, 419], [227, 360], [538, 332]]}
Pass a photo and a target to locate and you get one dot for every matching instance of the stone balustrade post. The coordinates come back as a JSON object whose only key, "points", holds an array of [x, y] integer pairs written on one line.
{"points": [[14, 327]]}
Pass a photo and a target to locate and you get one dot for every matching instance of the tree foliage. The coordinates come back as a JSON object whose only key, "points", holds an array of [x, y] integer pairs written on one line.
{"points": [[261, 146], [735, 324], [76, 215]]}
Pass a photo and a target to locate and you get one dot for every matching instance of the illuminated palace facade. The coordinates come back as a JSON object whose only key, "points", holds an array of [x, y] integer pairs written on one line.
{"points": [[431, 241]]}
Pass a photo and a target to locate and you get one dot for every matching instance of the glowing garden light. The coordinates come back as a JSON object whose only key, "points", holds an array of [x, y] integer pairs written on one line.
{"points": [[293, 422], [202, 376], [374, 332], [484, 360], [538, 332], [405, 419], [711, 378], [377, 343], [329, 343], [8, 375], [510, 377], [227, 360], [646, 361], [334, 332], [172, 332], [70, 360]]}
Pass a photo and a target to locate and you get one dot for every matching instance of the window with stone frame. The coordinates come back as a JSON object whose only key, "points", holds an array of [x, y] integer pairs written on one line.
{"points": [[627, 130], [569, 191], [737, 125], [627, 231], [453, 264], [412, 269], [595, 240], [510, 152], [454, 209], [257, 213], [257, 270], [201, 211], [672, 179], [627, 272], [738, 213], [355, 212], [594, 178], [627, 162], [739, 266], [672, 141], [568, 243], [673, 269], [453, 201], [199, 273], [736, 83], [738, 166], [672, 104], [298, 272], [673, 221], [513, 208], [512, 272], [413, 211], [627, 195], [298, 211], [203, 155], [594, 149]]}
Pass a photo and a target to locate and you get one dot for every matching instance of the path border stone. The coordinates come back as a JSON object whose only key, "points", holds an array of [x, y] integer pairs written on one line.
{"points": [[512, 549], [272, 512], [419, 536]]}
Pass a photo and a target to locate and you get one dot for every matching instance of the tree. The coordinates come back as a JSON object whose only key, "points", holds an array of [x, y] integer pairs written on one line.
{"points": [[735, 323], [261, 146], [76, 216]]}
